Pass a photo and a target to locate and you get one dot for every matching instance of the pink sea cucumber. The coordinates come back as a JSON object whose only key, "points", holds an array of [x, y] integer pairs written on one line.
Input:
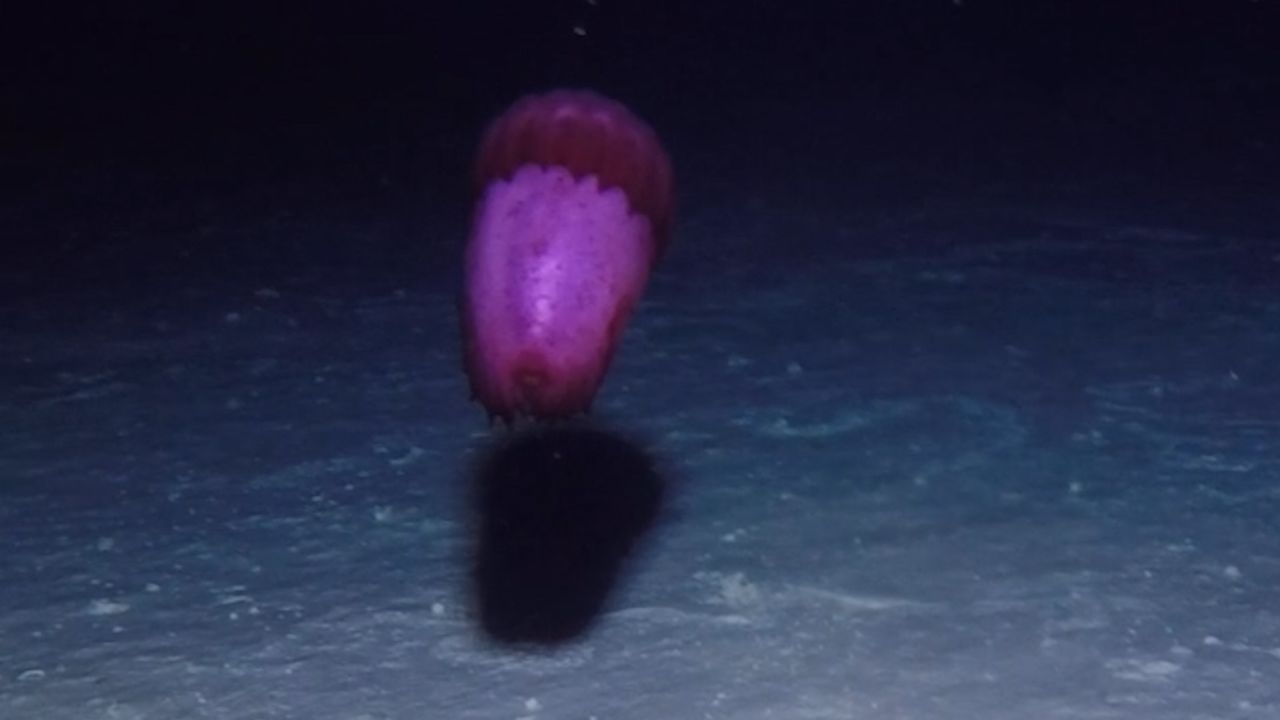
{"points": [[574, 206]]}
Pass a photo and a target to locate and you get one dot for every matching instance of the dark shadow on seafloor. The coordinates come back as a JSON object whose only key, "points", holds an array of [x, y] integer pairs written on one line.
{"points": [[558, 510]]}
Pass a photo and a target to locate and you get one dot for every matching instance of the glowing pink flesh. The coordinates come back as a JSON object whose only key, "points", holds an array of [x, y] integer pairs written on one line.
{"points": [[575, 208]]}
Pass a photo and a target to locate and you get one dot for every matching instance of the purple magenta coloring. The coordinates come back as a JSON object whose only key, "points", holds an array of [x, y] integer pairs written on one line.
{"points": [[575, 204]]}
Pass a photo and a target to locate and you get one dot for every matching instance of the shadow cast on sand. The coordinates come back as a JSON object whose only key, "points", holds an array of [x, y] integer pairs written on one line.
{"points": [[558, 509]]}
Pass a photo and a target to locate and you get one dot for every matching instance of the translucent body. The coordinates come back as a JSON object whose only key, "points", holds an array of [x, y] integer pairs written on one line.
{"points": [[574, 208]]}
